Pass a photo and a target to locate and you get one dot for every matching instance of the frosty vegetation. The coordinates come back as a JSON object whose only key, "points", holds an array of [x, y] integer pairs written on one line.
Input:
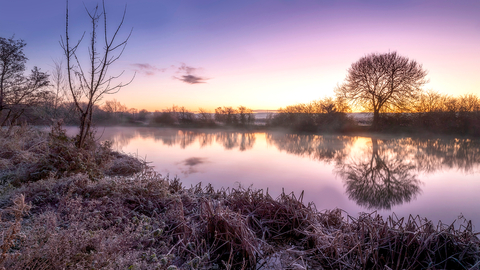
{"points": [[65, 208]]}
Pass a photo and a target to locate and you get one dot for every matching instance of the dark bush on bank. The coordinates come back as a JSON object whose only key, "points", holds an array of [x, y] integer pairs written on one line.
{"points": [[436, 113], [324, 115], [455, 123], [310, 122], [29, 155]]}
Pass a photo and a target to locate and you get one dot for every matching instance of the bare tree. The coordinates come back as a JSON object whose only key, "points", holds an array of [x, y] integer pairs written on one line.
{"points": [[205, 117], [88, 87], [59, 87], [227, 115], [430, 101], [17, 91], [245, 116], [383, 82], [114, 108]]}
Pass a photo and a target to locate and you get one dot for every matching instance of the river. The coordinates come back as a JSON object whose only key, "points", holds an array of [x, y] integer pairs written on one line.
{"points": [[435, 178]]}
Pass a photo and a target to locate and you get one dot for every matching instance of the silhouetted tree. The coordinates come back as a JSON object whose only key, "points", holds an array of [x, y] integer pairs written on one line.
{"points": [[185, 116], [245, 116], [17, 91], [231, 117], [164, 118], [88, 87], [132, 115], [227, 115], [142, 115], [205, 118], [114, 109], [383, 82]]}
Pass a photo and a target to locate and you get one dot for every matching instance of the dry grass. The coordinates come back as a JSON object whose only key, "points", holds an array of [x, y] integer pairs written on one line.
{"points": [[124, 165], [150, 222], [146, 221], [11, 230]]}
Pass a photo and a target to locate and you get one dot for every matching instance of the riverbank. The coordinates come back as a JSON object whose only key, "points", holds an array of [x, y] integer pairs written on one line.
{"points": [[110, 217]]}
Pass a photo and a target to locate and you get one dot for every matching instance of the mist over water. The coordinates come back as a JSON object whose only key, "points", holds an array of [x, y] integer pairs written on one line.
{"points": [[436, 178]]}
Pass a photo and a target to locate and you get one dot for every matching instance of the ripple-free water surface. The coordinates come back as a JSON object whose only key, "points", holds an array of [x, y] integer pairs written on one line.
{"points": [[434, 178]]}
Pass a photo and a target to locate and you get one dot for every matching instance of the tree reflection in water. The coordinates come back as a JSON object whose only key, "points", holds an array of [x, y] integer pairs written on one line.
{"points": [[241, 140], [451, 153], [379, 179], [327, 148], [386, 173], [184, 138], [380, 176]]}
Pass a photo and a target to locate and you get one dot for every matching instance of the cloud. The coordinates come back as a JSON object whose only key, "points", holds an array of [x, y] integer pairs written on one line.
{"points": [[186, 74], [189, 75], [191, 79], [147, 69]]}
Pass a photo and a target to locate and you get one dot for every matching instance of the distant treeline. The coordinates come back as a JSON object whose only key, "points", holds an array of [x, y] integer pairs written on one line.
{"points": [[326, 114], [113, 112], [226, 116], [437, 113], [432, 112]]}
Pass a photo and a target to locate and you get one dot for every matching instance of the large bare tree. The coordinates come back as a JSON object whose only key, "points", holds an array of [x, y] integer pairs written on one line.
{"points": [[383, 82], [89, 85]]}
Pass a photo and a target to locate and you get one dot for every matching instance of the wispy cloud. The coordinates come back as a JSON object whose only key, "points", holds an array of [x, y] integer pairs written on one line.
{"points": [[147, 69], [191, 79], [189, 75], [186, 74]]}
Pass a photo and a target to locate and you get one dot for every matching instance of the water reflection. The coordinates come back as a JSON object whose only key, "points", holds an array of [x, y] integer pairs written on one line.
{"points": [[190, 165], [326, 148], [231, 140], [381, 173], [379, 178], [228, 139], [434, 154], [385, 172]]}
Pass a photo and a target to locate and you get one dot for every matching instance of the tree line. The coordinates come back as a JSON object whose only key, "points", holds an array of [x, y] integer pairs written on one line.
{"points": [[429, 112]]}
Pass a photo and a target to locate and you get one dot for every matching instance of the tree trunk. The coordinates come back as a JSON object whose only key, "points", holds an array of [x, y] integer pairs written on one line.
{"points": [[81, 134], [2, 80]]}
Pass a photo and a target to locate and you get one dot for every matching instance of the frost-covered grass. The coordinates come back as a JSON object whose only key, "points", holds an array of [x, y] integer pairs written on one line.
{"points": [[93, 218]]}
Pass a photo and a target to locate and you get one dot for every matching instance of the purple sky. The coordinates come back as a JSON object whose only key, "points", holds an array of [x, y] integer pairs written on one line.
{"points": [[259, 54]]}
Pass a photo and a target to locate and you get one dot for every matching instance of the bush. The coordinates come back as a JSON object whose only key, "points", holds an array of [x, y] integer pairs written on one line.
{"points": [[28, 155]]}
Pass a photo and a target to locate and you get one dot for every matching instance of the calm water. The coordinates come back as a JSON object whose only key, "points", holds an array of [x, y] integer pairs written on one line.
{"points": [[434, 178]]}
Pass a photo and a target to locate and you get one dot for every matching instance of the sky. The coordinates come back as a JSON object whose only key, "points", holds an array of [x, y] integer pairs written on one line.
{"points": [[262, 54]]}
